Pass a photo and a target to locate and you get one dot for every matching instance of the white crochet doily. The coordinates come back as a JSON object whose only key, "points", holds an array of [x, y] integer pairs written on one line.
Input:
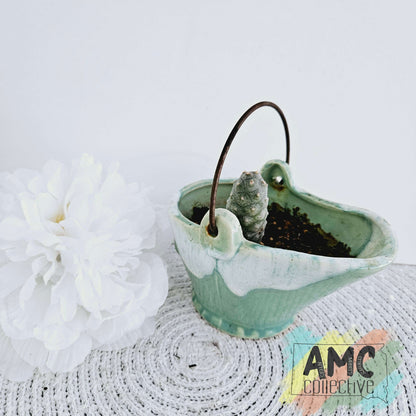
{"points": [[189, 368]]}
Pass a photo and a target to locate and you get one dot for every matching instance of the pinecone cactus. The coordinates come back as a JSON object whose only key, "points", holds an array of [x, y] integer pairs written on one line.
{"points": [[248, 201]]}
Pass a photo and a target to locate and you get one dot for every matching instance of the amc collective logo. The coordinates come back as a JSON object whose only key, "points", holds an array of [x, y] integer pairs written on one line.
{"points": [[340, 370], [327, 383]]}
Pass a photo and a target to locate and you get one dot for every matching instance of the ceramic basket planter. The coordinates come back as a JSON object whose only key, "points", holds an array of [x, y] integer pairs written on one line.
{"points": [[254, 291]]}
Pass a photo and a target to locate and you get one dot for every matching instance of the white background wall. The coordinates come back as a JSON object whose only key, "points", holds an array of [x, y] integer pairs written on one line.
{"points": [[158, 86]]}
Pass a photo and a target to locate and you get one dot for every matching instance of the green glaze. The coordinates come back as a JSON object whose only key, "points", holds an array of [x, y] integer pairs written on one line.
{"points": [[254, 291]]}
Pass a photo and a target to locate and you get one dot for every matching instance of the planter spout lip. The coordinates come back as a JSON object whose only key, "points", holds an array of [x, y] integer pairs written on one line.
{"points": [[389, 251]]}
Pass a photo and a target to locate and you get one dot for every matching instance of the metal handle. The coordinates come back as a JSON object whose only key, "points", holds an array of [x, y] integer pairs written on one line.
{"points": [[212, 228]]}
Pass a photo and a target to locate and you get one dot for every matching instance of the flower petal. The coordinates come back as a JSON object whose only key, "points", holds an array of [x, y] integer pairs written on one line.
{"points": [[69, 358], [160, 284], [11, 365], [30, 210], [12, 276], [12, 319], [27, 290], [31, 350], [66, 294], [56, 174], [13, 228], [57, 337]]}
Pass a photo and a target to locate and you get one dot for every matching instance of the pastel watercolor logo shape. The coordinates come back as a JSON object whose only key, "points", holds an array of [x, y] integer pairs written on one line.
{"points": [[340, 370]]}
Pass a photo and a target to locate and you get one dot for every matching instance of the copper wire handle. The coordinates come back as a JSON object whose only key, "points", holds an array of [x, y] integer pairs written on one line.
{"points": [[212, 228]]}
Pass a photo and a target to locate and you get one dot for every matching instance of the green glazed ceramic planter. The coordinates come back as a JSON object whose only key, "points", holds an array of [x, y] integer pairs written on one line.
{"points": [[254, 291]]}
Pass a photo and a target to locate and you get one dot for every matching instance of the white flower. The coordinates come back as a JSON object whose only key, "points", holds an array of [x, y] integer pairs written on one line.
{"points": [[78, 268]]}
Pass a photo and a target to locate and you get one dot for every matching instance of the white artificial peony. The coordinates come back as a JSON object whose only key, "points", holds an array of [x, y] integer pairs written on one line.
{"points": [[78, 266]]}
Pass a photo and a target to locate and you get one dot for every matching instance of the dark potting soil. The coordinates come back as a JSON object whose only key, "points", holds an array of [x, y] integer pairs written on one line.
{"points": [[292, 230], [198, 213]]}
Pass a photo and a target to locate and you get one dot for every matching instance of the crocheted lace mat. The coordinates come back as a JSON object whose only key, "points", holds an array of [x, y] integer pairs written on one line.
{"points": [[188, 367]]}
